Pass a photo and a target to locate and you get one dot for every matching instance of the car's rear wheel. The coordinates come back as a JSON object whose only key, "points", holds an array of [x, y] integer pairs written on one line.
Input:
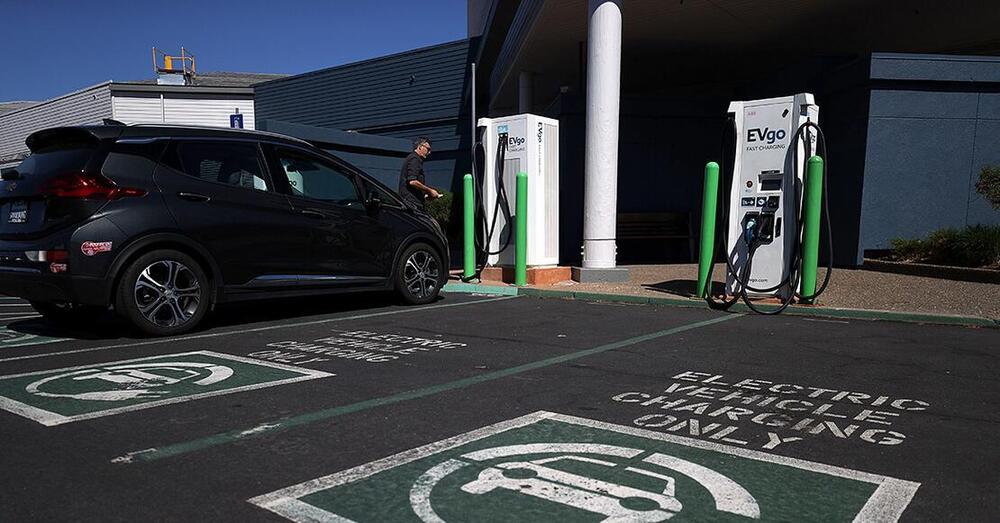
{"points": [[163, 292], [67, 313], [420, 274]]}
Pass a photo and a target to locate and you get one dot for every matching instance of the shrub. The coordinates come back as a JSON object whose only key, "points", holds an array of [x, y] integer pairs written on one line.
{"points": [[974, 246], [441, 210], [989, 185]]}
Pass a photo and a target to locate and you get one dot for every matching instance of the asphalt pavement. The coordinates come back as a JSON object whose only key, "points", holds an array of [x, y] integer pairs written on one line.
{"points": [[486, 408]]}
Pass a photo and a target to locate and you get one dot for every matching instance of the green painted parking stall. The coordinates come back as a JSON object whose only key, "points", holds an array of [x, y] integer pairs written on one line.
{"points": [[552, 467], [93, 391], [512, 408]]}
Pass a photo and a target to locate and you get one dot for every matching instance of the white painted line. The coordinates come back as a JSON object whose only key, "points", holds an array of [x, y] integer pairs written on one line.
{"points": [[31, 312], [49, 419], [15, 305], [21, 318], [258, 329], [886, 504], [285, 501]]}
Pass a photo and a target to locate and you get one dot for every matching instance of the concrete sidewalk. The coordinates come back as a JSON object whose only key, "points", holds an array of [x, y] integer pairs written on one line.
{"points": [[848, 289]]}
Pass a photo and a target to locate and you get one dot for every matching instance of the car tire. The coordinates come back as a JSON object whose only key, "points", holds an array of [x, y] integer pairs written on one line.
{"points": [[419, 274], [68, 314], [163, 293]]}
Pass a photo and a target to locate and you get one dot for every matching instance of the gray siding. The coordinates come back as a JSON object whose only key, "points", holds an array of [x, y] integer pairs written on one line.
{"points": [[413, 87], [88, 106], [400, 97], [933, 126]]}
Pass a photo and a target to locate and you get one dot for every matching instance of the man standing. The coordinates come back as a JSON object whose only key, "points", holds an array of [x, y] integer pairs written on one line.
{"points": [[411, 176]]}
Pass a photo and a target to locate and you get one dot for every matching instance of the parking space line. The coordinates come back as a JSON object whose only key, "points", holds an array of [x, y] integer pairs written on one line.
{"points": [[21, 318], [272, 427], [258, 329]]}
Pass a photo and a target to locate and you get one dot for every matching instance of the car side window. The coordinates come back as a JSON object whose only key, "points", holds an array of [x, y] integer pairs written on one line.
{"points": [[316, 179], [231, 163]]}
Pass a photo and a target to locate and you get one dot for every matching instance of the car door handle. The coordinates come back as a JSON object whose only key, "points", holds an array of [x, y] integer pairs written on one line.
{"points": [[194, 197], [312, 214]]}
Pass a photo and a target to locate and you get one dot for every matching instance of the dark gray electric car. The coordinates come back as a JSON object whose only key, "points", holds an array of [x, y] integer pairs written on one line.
{"points": [[162, 223]]}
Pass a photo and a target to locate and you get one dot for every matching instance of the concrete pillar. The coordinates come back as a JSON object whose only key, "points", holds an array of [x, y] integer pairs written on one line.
{"points": [[525, 82], [604, 50]]}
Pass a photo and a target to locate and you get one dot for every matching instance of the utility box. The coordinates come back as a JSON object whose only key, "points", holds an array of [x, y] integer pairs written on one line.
{"points": [[533, 148], [767, 183]]}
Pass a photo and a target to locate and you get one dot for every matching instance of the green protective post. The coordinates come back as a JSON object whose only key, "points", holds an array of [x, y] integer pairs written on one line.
{"points": [[709, 203], [469, 228], [811, 206], [521, 231]]}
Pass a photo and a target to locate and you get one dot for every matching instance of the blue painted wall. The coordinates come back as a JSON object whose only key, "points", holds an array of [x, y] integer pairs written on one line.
{"points": [[933, 125]]}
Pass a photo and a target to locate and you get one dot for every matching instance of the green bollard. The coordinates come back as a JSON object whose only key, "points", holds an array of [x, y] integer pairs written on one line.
{"points": [[469, 228], [521, 231], [811, 205], [709, 202]]}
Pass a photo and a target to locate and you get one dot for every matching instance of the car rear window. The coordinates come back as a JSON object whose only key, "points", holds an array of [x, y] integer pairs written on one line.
{"points": [[56, 159]]}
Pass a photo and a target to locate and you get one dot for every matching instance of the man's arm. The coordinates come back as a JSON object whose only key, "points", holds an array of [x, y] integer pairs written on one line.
{"points": [[429, 191]]}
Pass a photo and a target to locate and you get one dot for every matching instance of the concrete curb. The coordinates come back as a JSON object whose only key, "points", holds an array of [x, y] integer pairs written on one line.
{"points": [[796, 310]]}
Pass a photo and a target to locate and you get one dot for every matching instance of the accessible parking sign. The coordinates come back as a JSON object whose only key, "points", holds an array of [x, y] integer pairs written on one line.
{"points": [[552, 467], [64, 395]]}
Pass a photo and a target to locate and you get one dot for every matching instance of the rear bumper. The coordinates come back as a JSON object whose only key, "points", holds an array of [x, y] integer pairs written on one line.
{"points": [[34, 285]]}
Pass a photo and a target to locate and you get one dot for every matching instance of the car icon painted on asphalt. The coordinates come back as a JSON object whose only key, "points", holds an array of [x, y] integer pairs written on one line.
{"points": [[619, 503]]}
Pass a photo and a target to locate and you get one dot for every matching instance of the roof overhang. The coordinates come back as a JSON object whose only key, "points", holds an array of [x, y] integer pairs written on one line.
{"points": [[688, 44]]}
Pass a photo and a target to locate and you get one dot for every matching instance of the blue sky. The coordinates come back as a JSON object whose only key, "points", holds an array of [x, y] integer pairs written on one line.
{"points": [[53, 47]]}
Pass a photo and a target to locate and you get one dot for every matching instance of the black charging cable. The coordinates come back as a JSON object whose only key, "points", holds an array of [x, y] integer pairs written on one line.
{"points": [[753, 241]]}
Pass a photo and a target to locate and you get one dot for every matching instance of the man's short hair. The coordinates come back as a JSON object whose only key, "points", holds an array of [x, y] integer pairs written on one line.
{"points": [[420, 141]]}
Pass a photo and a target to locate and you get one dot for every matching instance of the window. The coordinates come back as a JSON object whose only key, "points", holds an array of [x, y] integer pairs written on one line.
{"points": [[223, 162], [311, 177]]}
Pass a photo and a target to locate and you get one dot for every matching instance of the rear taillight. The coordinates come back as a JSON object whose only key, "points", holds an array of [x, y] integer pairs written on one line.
{"points": [[81, 185]]}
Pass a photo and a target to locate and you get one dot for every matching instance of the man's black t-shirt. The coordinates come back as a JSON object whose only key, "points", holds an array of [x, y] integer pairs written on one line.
{"points": [[413, 169]]}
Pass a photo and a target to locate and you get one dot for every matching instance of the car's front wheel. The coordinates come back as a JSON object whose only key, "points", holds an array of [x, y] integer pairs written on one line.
{"points": [[163, 292], [420, 274]]}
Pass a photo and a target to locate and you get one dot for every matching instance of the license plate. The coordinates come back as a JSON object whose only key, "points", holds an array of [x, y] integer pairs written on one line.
{"points": [[18, 212]]}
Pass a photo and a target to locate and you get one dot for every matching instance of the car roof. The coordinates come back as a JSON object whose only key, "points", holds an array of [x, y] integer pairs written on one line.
{"points": [[189, 131]]}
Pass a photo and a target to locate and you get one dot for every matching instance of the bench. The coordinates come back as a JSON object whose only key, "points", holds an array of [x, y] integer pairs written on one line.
{"points": [[647, 233]]}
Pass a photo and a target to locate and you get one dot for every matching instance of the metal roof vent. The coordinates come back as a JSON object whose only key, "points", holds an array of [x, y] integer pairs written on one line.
{"points": [[175, 70]]}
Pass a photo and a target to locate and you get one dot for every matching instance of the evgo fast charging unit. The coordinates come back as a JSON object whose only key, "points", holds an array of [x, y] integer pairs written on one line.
{"points": [[774, 137]]}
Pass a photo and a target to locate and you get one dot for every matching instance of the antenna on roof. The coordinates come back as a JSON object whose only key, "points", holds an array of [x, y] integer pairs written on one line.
{"points": [[175, 70]]}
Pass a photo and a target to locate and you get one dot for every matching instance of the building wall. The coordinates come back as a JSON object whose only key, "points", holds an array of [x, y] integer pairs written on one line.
{"points": [[403, 96], [177, 108], [87, 106], [933, 126]]}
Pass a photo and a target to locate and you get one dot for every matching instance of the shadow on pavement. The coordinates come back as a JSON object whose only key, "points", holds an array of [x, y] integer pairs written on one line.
{"points": [[109, 326], [686, 288]]}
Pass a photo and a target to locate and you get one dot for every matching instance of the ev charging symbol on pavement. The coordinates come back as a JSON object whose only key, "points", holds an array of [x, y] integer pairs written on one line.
{"points": [[128, 382], [561, 480]]}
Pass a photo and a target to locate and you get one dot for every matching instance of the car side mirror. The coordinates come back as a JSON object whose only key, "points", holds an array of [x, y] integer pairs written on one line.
{"points": [[373, 203]]}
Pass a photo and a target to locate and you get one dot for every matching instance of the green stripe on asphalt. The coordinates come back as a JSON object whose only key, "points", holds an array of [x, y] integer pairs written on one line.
{"points": [[305, 419]]}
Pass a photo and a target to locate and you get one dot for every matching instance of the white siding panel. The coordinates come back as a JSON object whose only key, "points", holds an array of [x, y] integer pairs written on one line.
{"points": [[211, 112], [88, 106], [137, 109]]}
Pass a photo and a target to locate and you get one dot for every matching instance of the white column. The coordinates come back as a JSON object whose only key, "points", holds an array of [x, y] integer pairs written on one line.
{"points": [[604, 56], [525, 82]]}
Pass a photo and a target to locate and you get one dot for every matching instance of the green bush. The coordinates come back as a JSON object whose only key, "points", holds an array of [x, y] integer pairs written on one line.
{"points": [[974, 246], [441, 210], [989, 185]]}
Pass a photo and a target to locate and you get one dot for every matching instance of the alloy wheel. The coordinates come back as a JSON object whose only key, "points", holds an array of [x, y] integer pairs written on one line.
{"points": [[167, 293], [421, 274]]}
